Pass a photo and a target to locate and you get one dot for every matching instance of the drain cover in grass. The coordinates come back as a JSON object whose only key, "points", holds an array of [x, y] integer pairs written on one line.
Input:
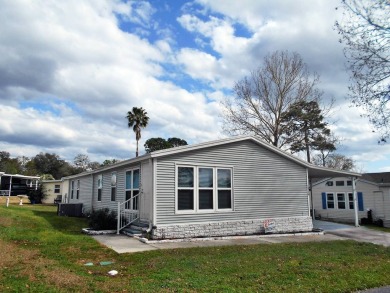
{"points": [[106, 263]]}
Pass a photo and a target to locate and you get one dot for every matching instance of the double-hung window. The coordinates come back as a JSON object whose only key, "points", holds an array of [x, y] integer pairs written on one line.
{"points": [[203, 188], [224, 188], [351, 201], [99, 187], [57, 188], [206, 188], [132, 189], [78, 189], [185, 188], [113, 186], [330, 200], [341, 201], [71, 189]]}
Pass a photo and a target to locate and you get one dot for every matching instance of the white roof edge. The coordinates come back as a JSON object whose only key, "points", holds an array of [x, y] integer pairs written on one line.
{"points": [[360, 179], [167, 152], [113, 166], [19, 175]]}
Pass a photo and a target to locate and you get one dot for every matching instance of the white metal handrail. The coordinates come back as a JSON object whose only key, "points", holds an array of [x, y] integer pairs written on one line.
{"points": [[127, 216]]}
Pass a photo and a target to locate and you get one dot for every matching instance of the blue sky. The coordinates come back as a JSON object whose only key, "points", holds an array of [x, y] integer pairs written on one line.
{"points": [[70, 71]]}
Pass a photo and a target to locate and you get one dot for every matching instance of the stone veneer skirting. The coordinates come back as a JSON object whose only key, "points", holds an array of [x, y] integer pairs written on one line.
{"points": [[231, 228]]}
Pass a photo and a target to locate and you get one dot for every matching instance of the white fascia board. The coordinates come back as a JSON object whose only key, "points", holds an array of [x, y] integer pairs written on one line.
{"points": [[113, 166], [20, 176]]}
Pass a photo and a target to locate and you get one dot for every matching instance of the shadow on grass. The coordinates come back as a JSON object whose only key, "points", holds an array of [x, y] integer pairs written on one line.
{"points": [[67, 225]]}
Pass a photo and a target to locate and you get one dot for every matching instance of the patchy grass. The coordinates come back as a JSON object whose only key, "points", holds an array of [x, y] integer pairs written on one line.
{"points": [[40, 252]]}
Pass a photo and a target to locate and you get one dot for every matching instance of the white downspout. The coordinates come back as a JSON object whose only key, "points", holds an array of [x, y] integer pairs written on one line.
{"points": [[355, 205]]}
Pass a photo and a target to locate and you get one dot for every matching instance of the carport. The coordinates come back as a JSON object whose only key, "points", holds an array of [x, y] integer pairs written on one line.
{"points": [[317, 172]]}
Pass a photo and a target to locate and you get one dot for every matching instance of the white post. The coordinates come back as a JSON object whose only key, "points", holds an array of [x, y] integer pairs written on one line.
{"points": [[9, 191], [355, 202], [119, 218]]}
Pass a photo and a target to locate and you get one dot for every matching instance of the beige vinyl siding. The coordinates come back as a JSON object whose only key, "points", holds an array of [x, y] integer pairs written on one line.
{"points": [[265, 185]]}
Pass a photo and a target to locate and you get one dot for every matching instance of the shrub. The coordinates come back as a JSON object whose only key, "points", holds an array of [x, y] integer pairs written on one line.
{"points": [[103, 219], [37, 195]]}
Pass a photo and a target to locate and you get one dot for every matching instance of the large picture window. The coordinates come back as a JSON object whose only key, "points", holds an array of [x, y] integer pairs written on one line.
{"points": [[203, 188], [132, 189], [99, 187]]}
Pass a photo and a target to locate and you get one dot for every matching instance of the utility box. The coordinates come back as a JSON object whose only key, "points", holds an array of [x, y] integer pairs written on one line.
{"points": [[70, 209]]}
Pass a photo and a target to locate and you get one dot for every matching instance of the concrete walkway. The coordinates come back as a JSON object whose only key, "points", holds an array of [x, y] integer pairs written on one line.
{"points": [[125, 244], [361, 234], [332, 231]]}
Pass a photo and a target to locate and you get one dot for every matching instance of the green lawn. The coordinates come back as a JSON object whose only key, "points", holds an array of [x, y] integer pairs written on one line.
{"points": [[40, 252]]}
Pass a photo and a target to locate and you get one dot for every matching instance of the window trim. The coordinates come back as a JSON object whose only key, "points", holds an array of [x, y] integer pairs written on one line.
{"points": [[340, 183], [196, 188], [57, 190]]}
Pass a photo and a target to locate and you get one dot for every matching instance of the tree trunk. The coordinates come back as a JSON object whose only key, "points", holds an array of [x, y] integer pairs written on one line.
{"points": [[136, 152]]}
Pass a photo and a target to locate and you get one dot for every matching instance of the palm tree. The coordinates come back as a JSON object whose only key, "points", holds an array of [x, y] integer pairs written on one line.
{"points": [[137, 119]]}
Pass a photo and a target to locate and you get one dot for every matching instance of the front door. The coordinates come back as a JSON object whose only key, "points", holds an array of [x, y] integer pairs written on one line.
{"points": [[132, 190], [378, 210]]}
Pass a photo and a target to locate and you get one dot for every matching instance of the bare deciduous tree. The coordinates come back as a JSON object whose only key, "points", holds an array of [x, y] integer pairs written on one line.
{"points": [[261, 98], [335, 161], [365, 29]]}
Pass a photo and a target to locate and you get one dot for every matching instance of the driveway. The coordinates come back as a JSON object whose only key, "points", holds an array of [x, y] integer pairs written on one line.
{"points": [[361, 234]]}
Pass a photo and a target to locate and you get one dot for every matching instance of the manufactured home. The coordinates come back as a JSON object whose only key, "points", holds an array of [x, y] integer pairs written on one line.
{"points": [[333, 198], [233, 186]]}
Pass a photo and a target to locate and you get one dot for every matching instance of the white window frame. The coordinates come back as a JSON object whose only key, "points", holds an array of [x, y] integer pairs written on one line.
{"points": [[196, 188], [57, 190], [99, 187]]}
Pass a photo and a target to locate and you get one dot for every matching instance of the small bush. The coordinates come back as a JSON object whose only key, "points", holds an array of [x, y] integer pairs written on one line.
{"points": [[37, 195], [103, 219]]}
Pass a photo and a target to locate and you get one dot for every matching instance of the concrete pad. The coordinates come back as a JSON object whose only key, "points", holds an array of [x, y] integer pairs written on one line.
{"points": [[123, 243], [363, 234], [326, 226]]}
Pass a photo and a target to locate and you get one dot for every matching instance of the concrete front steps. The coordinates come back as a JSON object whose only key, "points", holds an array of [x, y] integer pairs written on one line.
{"points": [[136, 229]]}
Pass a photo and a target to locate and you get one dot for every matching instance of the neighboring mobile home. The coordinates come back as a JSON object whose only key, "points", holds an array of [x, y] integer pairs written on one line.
{"points": [[53, 190], [16, 184], [333, 198], [233, 186]]}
